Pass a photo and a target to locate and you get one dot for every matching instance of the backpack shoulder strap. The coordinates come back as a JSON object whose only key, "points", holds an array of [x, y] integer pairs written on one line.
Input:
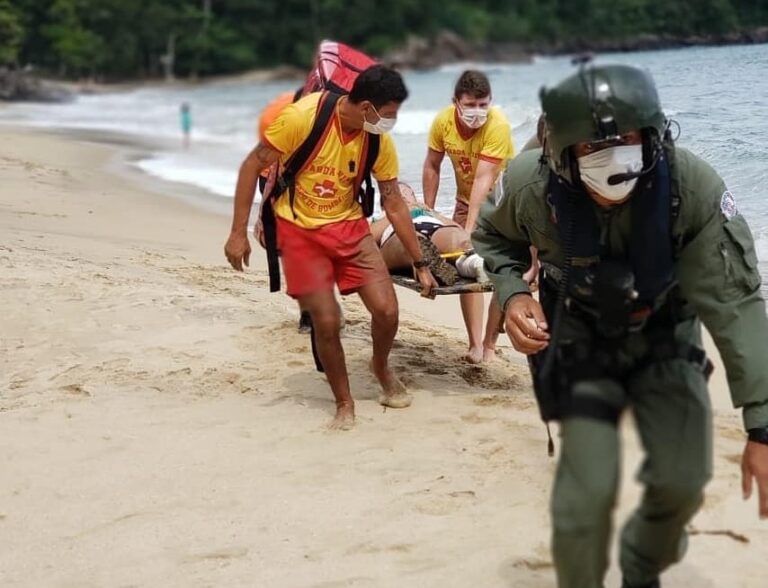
{"points": [[325, 109], [365, 189], [374, 143]]}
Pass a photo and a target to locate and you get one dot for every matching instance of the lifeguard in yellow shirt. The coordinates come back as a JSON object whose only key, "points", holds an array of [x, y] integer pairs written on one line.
{"points": [[323, 236], [478, 140]]}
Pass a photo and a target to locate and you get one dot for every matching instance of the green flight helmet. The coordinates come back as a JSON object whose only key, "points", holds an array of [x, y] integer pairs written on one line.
{"points": [[598, 103]]}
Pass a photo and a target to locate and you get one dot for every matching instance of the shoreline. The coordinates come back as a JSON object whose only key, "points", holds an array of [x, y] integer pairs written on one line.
{"points": [[163, 423], [130, 148]]}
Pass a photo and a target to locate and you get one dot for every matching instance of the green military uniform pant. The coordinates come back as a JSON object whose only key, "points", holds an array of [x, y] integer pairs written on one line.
{"points": [[671, 407]]}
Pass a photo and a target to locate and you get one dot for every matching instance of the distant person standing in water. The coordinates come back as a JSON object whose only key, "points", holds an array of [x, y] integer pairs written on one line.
{"points": [[186, 123]]}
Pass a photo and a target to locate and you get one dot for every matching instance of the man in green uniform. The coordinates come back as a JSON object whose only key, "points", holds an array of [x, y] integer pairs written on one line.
{"points": [[639, 241]]}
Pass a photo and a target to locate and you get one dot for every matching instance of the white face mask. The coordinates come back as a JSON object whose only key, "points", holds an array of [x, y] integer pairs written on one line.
{"points": [[474, 118], [596, 168], [383, 125]]}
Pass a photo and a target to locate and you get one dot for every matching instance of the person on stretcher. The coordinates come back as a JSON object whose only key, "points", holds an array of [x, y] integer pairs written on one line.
{"points": [[443, 241]]}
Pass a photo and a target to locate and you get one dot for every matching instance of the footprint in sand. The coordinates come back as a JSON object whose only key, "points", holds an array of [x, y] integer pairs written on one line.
{"points": [[418, 362], [370, 548], [493, 400], [475, 419], [301, 349], [519, 401], [443, 503], [489, 377], [221, 554], [75, 390], [17, 383], [533, 564], [539, 560]]}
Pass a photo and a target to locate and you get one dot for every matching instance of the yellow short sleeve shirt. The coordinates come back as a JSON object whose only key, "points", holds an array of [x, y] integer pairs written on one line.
{"points": [[491, 142], [325, 188]]}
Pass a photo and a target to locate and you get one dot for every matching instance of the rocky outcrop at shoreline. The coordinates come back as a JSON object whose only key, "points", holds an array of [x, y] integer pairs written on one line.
{"points": [[17, 85], [651, 42], [448, 47]]}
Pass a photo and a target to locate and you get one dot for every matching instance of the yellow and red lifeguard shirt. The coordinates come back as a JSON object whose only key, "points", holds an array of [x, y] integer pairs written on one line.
{"points": [[325, 189], [491, 142]]}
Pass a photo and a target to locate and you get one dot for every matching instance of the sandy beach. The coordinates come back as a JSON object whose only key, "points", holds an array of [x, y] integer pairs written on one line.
{"points": [[161, 422]]}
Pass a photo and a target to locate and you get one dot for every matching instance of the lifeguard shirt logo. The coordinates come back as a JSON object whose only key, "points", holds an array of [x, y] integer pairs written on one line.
{"points": [[325, 190], [466, 165]]}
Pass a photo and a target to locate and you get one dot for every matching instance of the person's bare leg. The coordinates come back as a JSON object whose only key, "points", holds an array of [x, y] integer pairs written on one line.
{"points": [[395, 255], [324, 311], [472, 306], [492, 329], [380, 300]]}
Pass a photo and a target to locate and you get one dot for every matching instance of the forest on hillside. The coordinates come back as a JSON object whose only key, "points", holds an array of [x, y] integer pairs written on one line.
{"points": [[127, 39]]}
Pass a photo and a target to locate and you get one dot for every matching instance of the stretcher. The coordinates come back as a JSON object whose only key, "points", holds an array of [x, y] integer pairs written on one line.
{"points": [[462, 285], [452, 283]]}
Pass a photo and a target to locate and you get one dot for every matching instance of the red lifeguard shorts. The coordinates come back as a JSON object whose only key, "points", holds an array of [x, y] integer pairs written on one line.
{"points": [[342, 253]]}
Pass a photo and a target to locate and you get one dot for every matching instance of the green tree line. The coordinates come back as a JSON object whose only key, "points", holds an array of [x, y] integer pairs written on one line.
{"points": [[120, 39]]}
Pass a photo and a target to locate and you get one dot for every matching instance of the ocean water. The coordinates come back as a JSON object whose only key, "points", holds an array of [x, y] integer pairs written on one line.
{"points": [[716, 94]]}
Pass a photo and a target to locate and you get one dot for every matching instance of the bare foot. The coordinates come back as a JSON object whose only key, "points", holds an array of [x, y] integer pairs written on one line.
{"points": [[395, 400], [489, 353], [394, 394], [474, 355], [345, 417]]}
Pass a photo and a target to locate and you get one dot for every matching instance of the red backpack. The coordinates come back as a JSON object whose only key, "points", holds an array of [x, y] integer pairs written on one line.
{"points": [[336, 68]]}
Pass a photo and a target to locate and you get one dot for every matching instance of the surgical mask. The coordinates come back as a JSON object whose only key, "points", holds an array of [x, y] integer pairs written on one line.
{"points": [[383, 125], [474, 118], [596, 168]]}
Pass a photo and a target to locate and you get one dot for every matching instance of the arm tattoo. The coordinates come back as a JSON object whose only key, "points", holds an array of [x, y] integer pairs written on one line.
{"points": [[389, 189], [264, 156]]}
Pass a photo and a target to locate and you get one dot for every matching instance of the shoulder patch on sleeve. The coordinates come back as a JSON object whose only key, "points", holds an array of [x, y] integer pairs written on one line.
{"points": [[728, 205]]}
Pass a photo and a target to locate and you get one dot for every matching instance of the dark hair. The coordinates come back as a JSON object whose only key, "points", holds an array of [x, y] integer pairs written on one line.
{"points": [[472, 82], [379, 85]]}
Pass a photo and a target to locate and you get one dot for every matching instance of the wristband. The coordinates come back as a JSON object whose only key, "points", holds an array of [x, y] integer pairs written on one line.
{"points": [[759, 435], [421, 264]]}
